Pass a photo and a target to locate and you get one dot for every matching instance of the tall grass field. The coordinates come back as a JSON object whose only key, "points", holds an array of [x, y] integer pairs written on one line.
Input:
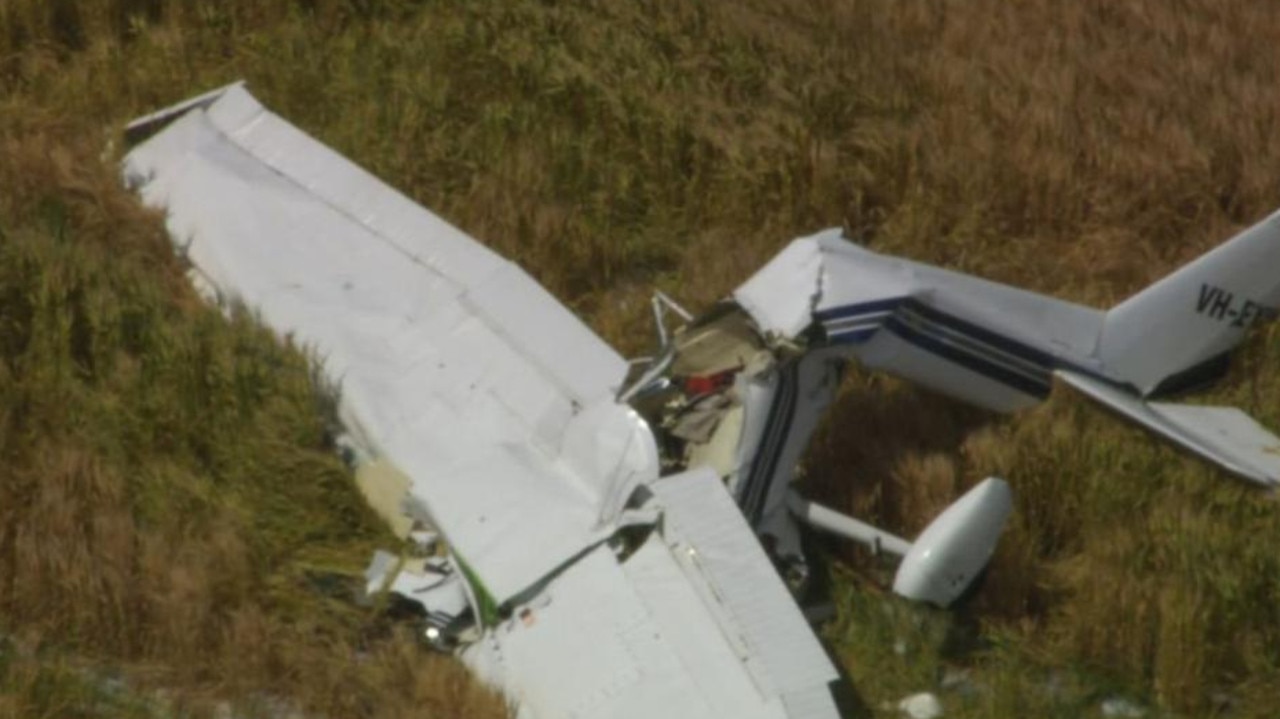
{"points": [[179, 539]]}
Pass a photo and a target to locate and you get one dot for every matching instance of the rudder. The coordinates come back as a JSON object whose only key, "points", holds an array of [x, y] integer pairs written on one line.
{"points": [[1175, 334]]}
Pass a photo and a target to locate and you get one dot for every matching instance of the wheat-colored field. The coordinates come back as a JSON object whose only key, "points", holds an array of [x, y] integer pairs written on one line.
{"points": [[172, 516]]}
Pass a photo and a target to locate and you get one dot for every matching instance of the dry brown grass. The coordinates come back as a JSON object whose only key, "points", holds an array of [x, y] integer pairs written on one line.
{"points": [[1079, 149], [171, 509]]}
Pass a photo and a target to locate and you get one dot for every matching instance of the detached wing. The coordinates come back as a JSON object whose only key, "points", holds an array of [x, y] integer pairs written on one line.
{"points": [[454, 364], [499, 406]]}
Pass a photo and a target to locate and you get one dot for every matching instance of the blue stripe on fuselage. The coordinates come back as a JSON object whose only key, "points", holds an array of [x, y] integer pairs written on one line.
{"points": [[857, 323], [853, 336], [973, 362], [847, 311], [978, 349], [967, 343], [978, 332]]}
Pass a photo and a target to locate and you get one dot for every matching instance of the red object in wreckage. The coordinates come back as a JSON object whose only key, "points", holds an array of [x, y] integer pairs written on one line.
{"points": [[697, 385]]}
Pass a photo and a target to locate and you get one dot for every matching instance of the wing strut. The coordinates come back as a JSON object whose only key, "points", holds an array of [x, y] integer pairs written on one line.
{"points": [[947, 556]]}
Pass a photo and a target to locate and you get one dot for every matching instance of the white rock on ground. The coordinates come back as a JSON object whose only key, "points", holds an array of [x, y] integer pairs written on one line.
{"points": [[921, 706], [1121, 708]]}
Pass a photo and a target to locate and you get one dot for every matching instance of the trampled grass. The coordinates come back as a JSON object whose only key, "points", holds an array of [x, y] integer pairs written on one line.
{"points": [[168, 502]]}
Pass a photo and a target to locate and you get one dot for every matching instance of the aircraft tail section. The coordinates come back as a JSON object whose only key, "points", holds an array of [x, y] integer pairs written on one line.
{"points": [[1175, 335], [1224, 436]]}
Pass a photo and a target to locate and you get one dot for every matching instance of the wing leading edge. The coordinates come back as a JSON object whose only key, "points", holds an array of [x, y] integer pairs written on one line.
{"points": [[454, 364]]}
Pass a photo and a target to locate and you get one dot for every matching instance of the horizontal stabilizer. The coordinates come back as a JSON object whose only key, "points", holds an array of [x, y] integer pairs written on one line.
{"points": [[1225, 436]]}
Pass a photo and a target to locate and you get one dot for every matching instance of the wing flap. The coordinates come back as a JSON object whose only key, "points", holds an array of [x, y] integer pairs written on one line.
{"points": [[1224, 436], [587, 648], [701, 513]]}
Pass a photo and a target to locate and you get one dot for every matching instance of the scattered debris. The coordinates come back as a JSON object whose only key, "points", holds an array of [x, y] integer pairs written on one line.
{"points": [[959, 681], [1122, 708], [1223, 702], [376, 574], [819, 613], [1057, 685], [921, 706]]}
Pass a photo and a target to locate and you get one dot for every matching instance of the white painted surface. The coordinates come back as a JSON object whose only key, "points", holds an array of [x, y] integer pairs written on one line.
{"points": [[694, 624], [1171, 325], [699, 510], [921, 706], [453, 363], [498, 405], [953, 550], [780, 296], [1225, 436]]}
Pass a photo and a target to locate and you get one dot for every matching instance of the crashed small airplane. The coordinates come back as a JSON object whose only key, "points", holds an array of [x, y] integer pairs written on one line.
{"points": [[581, 516]]}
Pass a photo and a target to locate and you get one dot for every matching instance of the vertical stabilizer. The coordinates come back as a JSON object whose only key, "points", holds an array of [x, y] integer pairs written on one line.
{"points": [[1175, 334]]}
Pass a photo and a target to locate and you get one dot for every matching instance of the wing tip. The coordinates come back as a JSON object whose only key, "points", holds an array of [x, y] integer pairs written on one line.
{"points": [[148, 125]]}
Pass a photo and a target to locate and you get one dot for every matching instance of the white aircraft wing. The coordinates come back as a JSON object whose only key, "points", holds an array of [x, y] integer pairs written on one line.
{"points": [[454, 364], [499, 406], [694, 624]]}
